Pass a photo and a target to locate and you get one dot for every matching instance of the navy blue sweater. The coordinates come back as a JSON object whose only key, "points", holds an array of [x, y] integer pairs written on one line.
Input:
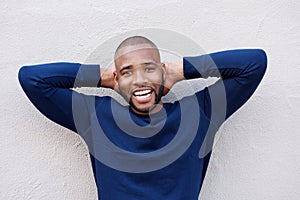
{"points": [[161, 156]]}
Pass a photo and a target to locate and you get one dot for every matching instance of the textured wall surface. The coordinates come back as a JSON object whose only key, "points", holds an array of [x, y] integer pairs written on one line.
{"points": [[256, 153]]}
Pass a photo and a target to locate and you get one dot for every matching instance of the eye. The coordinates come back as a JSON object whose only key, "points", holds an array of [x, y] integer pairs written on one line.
{"points": [[126, 73], [150, 68]]}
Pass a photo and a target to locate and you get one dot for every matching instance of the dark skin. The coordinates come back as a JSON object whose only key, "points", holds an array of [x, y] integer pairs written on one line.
{"points": [[141, 78]]}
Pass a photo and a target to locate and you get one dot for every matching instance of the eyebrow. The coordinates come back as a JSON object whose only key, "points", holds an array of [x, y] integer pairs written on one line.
{"points": [[126, 67], [131, 66]]}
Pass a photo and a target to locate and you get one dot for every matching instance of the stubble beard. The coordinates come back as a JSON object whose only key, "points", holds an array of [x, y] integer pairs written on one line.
{"points": [[158, 97]]}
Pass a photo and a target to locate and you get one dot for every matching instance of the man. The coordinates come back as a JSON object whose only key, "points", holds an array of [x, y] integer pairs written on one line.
{"points": [[149, 149]]}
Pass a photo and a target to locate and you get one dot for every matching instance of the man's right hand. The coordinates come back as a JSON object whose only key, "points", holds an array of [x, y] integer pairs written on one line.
{"points": [[107, 77]]}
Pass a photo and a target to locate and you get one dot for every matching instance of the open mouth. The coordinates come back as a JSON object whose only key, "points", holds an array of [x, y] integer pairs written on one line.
{"points": [[142, 95]]}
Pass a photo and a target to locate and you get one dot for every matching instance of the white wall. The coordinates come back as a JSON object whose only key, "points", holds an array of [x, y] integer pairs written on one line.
{"points": [[256, 154]]}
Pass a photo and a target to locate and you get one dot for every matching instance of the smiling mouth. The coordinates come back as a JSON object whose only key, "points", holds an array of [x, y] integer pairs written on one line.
{"points": [[143, 95]]}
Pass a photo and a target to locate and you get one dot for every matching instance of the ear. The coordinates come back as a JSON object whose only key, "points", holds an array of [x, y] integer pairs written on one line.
{"points": [[164, 70], [116, 79]]}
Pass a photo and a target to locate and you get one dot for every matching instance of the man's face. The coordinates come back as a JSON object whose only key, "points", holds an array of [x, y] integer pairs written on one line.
{"points": [[140, 77]]}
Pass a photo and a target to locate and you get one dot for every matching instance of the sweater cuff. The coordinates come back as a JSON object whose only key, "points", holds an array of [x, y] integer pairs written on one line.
{"points": [[88, 76], [189, 68]]}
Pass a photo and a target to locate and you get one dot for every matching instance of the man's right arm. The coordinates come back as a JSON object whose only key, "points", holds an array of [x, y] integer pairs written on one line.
{"points": [[48, 86]]}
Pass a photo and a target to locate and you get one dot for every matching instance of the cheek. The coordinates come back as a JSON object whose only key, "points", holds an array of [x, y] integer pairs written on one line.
{"points": [[124, 85], [157, 79]]}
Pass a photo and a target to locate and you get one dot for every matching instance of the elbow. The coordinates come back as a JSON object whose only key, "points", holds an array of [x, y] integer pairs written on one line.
{"points": [[24, 76], [261, 62], [262, 59]]}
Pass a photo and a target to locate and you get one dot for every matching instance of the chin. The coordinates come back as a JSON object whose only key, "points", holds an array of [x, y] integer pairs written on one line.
{"points": [[142, 109]]}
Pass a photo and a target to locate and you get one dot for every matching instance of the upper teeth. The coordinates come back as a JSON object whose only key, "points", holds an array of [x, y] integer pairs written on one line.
{"points": [[142, 92]]}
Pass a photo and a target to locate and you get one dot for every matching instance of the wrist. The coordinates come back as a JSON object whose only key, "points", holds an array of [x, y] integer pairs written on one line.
{"points": [[180, 71], [107, 77]]}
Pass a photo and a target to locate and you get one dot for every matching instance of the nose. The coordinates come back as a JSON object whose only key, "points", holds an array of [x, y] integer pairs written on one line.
{"points": [[139, 78]]}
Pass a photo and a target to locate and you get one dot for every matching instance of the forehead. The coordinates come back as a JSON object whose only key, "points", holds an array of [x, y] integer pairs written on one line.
{"points": [[136, 54]]}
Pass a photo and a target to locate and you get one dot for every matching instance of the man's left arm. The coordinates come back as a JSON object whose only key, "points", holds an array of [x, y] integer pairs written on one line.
{"points": [[240, 71]]}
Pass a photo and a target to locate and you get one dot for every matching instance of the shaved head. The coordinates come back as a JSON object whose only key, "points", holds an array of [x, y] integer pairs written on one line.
{"points": [[135, 41]]}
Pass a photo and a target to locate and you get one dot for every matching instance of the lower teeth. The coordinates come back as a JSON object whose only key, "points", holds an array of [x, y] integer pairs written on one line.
{"points": [[144, 96]]}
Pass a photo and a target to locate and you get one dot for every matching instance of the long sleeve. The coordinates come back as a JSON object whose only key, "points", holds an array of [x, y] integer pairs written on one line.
{"points": [[48, 86], [240, 71]]}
